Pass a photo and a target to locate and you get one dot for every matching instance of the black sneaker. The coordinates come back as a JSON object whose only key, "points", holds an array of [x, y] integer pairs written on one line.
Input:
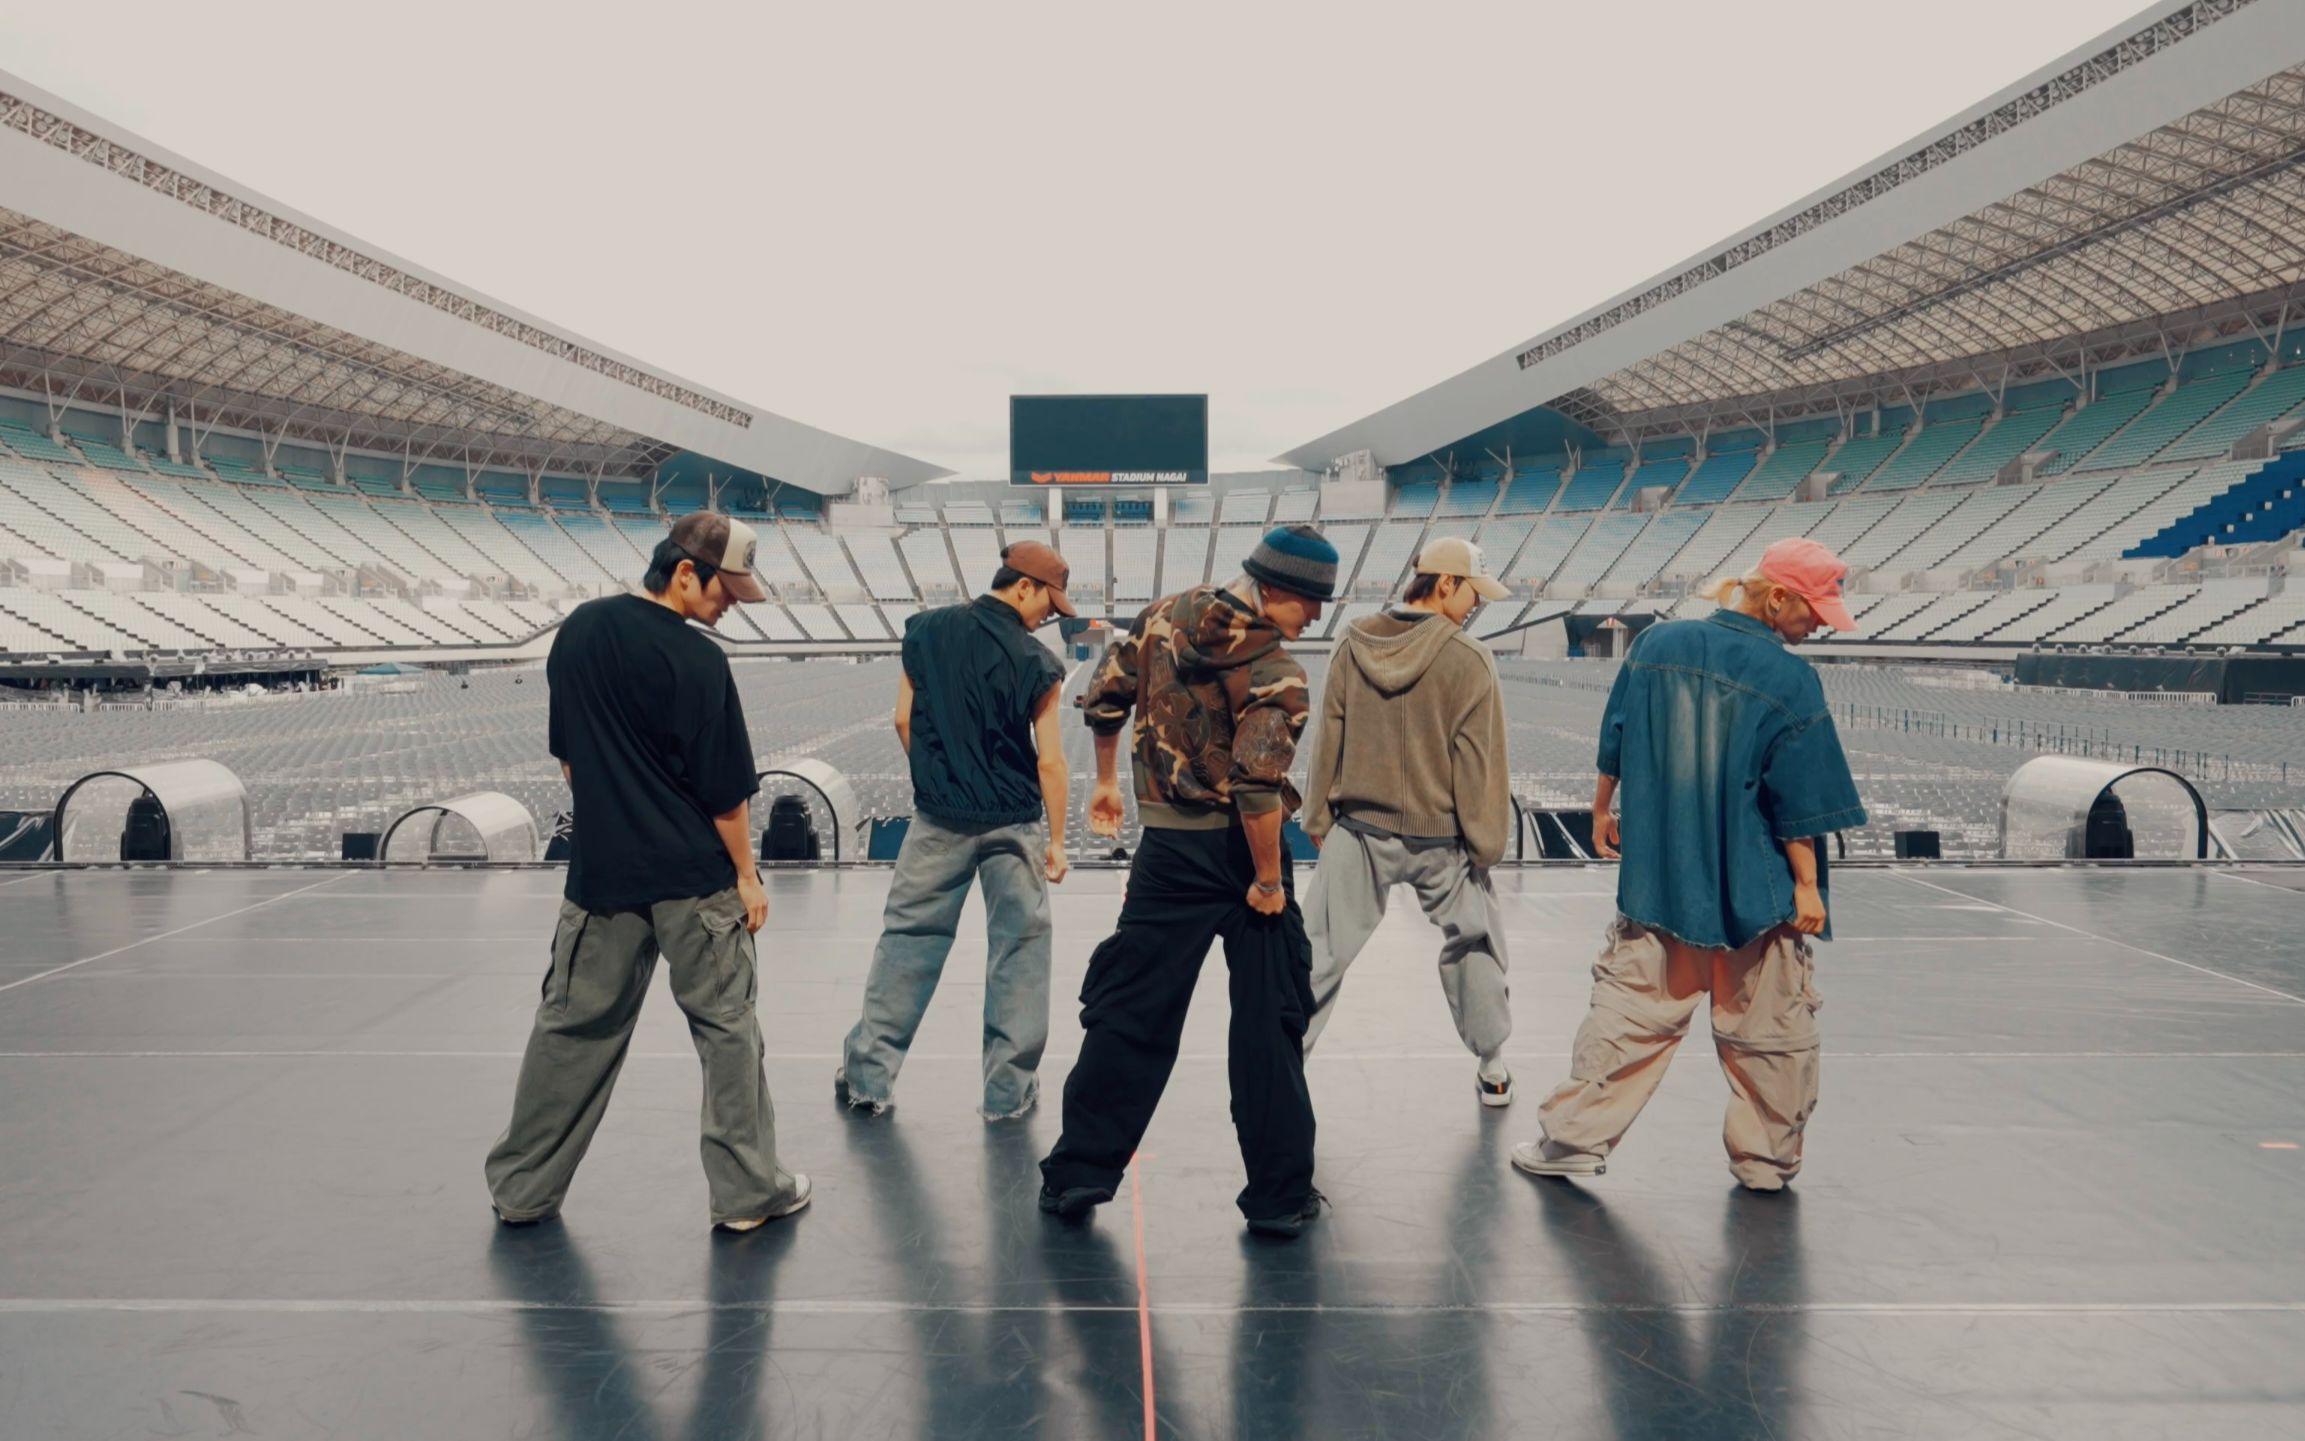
{"points": [[1290, 1227], [1074, 1202]]}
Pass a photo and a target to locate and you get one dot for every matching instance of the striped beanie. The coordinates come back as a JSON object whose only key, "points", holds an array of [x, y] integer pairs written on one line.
{"points": [[1296, 558]]}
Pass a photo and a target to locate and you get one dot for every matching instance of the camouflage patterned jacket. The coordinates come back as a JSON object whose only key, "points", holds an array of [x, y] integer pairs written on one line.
{"points": [[1219, 706]]}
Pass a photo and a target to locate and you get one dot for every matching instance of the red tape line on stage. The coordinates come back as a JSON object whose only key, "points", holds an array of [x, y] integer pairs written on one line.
{"points": [[1143, 1295]]}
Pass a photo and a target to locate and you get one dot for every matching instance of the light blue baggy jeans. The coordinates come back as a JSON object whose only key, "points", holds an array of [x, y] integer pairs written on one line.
{"points": [[933, 872]]}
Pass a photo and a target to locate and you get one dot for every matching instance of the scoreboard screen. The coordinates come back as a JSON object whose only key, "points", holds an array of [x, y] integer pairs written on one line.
{"points": [[1108, 439]]}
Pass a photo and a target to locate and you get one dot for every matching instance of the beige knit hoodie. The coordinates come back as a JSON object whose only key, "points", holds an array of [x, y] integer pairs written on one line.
{"points": [[1412, 737]]}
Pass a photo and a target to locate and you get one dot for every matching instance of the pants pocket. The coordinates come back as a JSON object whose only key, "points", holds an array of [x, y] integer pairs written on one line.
{"points": [[567, 941], [1809, 996], [1632, 958], [729, 957], [1771, 1005], [1298, 948]]}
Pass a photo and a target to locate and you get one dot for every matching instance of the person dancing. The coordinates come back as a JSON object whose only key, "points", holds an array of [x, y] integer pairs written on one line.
{"points": [[1219, 705], [976, 712], [1730, 771], [1409, 785]]}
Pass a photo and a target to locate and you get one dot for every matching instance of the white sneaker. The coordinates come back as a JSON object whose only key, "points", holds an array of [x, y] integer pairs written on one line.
{"points": [[802, 1193], [1541, 1158], [1495, 1090]]}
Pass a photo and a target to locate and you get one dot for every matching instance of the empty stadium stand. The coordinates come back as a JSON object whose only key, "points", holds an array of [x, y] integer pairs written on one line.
{"points": [[2009, 438], [105, 549], [1929, 452], [2089, 426], [1595, 483], [1781, 472], [1854, 461], [1716, 478], [1531, 491]]}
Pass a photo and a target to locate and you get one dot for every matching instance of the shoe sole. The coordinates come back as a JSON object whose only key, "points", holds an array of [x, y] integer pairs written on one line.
{"points": [[1491, 1098], [1599, 1168]]}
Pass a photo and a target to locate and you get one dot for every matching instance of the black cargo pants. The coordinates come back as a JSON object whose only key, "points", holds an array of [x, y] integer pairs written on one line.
{"points": [[1188, 889]]}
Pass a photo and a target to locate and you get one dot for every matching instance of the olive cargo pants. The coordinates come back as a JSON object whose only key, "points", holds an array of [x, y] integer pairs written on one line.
{"points": [[601, 964]]}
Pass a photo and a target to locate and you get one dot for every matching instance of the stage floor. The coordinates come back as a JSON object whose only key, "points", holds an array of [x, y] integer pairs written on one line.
{"points": [[2053, 1190]]}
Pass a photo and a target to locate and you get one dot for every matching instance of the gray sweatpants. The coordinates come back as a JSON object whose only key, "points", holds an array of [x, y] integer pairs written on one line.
{"points": [[1346, 902], [601, 964]]}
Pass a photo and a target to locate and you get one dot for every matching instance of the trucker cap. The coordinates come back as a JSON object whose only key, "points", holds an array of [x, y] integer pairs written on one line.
{"points": [[1813, 573], [1035, 561], [1451, 555], [725, 544]]}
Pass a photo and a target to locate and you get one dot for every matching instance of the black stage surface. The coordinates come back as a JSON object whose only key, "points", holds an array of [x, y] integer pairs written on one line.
{"points": [[2053, 1190]]}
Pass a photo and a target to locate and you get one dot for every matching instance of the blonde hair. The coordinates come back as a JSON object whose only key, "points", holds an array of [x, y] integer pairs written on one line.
{"points": [[1725, 590]]}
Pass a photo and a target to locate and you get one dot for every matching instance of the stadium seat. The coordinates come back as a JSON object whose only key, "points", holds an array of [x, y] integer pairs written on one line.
{"points": [[2089, 426], [1595, 482], [1781, 472], [2005, 440], [1657, 544], [1531, 491], [2179, 411], [1716, 478], [1930, 450], [1855, 460]]}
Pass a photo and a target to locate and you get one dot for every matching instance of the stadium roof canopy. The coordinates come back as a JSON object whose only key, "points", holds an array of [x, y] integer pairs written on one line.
{"points": [[2143, 194], [133, 278]]}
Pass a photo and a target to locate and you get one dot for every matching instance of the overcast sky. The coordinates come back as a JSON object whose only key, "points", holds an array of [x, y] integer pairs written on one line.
{"points": [[884, 219]]}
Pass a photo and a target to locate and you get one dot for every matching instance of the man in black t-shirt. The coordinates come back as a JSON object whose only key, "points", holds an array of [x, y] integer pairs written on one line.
{"points": [[649, 731], [976, 713]]}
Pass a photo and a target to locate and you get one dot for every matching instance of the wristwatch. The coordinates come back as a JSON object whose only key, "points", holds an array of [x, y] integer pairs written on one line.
{"points": [[1269, 887]]}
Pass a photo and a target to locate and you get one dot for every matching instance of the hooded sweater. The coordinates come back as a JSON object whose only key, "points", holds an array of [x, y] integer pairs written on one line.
{"points": [[1412, 737]]}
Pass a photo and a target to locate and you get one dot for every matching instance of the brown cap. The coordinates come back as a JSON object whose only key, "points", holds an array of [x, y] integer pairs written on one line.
{"points": [[1040, 562], [727, 545]]}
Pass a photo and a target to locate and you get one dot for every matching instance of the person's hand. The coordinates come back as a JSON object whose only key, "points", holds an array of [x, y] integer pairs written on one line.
{"points": [[1104, 810], [1054, 865], [749, 891], [1268, 904], [1605, 837], [1808, 910], [1316, 840]]}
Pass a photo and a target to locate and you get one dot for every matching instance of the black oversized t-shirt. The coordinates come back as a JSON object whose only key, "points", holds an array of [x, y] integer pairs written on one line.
{"points": [[976, 674], [646, 714]]}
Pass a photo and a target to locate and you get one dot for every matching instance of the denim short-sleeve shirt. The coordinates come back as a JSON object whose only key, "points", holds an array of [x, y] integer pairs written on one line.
{"points": [[1723, 748]]}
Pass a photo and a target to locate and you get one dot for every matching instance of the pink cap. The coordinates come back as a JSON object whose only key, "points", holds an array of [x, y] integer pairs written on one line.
{"points": [[1813, 573]]}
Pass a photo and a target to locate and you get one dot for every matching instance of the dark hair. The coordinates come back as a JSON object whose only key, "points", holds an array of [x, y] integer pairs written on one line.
{"points": [[1005, 577], [1421, 587], [666, 559]]}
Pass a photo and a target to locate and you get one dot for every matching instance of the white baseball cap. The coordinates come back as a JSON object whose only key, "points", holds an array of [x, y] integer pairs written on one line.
{"points": [[727, 545], [1452, 555]]}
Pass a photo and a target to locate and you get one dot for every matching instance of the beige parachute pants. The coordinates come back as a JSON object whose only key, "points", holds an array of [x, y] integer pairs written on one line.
{"points": [[1646, 989]]}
